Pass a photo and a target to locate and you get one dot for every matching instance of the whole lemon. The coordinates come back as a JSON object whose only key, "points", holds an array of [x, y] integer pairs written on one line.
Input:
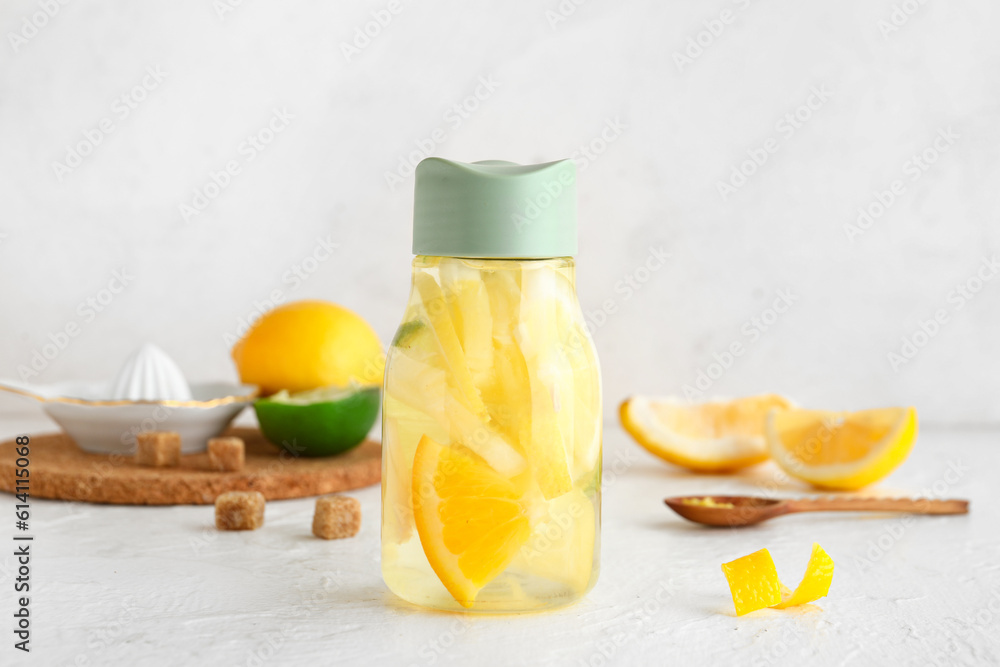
{"points": [[306, 345]]}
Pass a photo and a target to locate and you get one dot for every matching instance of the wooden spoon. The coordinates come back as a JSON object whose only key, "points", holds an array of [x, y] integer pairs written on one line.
{"points": [[736, 511]]}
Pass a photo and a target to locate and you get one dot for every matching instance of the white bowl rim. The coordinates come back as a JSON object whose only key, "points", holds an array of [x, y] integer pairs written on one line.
{"points": [[237, 393]]}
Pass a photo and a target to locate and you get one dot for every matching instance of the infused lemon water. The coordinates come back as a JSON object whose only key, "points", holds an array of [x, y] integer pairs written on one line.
{"points": [[491, 431]]}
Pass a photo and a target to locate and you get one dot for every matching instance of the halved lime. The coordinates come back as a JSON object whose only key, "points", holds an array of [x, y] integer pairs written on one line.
{"points": [[319, 422]]}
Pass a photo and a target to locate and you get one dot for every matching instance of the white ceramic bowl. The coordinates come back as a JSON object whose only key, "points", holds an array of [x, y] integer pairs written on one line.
{"points": [[110, 426]]}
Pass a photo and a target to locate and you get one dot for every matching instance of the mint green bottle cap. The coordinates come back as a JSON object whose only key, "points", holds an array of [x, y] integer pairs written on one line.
{"points": [[494, 209]]}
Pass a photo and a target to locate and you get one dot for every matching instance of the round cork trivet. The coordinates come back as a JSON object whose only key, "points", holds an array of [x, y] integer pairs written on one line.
{"points": [[60, 469]]}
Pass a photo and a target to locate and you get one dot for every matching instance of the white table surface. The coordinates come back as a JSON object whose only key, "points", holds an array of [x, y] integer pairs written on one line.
{"points": [[159, 586]]}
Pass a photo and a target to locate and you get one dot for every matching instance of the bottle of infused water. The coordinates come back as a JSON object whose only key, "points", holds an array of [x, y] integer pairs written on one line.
{"points": [[491, 420]]}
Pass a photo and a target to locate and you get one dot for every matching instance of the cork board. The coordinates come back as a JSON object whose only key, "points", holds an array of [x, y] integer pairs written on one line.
{"points": [[61, 470]]}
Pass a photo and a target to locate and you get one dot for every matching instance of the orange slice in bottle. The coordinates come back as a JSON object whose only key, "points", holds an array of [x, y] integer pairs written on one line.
{"points": [[472, 521]]}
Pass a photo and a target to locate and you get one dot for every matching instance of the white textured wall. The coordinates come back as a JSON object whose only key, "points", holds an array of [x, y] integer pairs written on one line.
{"points": [[673, 130]]}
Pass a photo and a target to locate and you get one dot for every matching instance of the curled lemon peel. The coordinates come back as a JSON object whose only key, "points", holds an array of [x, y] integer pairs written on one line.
{"points": [[754, 584]]}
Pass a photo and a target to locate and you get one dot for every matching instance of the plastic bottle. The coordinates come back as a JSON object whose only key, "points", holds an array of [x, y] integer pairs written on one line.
{"points": [[491, 464]]}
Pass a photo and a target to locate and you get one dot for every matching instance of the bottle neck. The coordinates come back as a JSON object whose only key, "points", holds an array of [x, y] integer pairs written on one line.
{"points": [[494, 263], [451, 272]]}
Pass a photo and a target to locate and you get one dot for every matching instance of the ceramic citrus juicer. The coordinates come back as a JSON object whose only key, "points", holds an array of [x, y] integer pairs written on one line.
{"points": [[149, 393]]}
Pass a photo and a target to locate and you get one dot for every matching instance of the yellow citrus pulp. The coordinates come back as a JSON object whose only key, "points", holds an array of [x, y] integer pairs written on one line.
{"points": [[708, 502], [715, 436], [492, 438], [841, 450]]}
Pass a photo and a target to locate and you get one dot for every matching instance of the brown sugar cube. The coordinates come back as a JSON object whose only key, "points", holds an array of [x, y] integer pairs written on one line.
{"points": [[226, 453], [239, 510], [336, 517], [159, 449]]}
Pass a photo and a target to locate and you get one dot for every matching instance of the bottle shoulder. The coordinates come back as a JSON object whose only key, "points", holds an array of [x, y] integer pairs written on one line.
{"points": [[484, 302], [492, 263]]}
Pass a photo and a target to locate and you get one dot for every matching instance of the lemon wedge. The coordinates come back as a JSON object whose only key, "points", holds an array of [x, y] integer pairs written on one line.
{"points": [[439, 316], [715, 436], [841, 450]]}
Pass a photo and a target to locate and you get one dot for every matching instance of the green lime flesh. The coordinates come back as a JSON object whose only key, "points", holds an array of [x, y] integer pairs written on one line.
{"points": [[322, 427], [407, 332]]}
